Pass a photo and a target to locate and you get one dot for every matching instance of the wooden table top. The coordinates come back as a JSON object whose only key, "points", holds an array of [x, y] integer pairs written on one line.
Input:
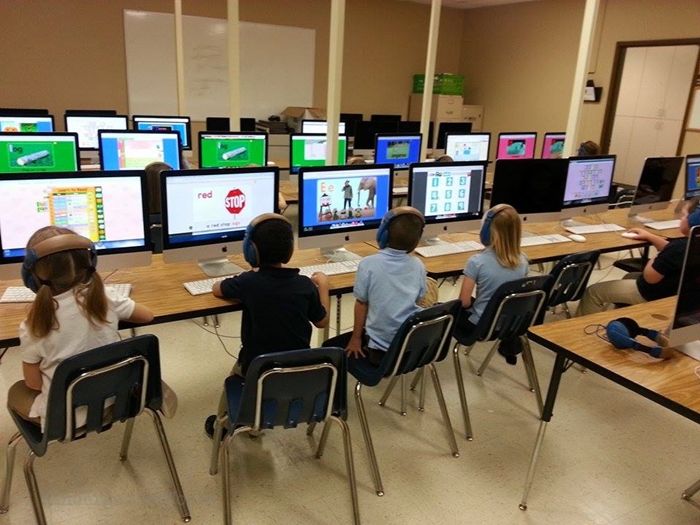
{"points": [[670, 382]]}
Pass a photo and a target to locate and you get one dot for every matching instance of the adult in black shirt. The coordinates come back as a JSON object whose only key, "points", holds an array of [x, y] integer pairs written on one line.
{"points": [[660, 277]]}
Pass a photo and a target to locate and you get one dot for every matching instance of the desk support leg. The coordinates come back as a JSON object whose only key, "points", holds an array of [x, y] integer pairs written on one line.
{"points": [[557, 371], [339, 304], [690, 491]]}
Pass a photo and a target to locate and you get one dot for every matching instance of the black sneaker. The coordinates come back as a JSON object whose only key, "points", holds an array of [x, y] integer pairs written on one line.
{"points": [[209, 427]]}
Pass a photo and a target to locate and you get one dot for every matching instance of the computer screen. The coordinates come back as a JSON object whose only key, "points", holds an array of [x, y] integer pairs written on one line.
{"points": [[26, 123], [179, 124], [319, 127], [516, 145], [232, 150], [451, 127], [37, 152], [365, 132], [87, 126], [692, 176], [534, 187], [401, 150], [134, 150], [589, 181], [351, 120], [448, 193], [553, 145], [471, 147], [108, 208], [656, 183], [25, 112], [686, 321], [340, 204], [310, 150], [208, 210]]}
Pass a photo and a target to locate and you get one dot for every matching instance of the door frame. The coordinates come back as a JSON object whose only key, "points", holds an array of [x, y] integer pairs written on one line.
{"points": [[616, 80]]}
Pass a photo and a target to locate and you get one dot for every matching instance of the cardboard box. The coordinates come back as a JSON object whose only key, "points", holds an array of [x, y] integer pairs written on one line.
{"points": [[293, 115], [443, 84]]}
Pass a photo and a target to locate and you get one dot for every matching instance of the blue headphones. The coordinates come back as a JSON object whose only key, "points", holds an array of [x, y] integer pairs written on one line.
{"points": [[694, 217], [622, 332], [59, 243], [485, 233], [250, 250], [383, 231]]}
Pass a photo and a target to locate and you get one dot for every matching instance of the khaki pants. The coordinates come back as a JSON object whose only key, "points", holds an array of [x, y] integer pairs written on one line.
{"points": [[431, 293], [599, 296]]}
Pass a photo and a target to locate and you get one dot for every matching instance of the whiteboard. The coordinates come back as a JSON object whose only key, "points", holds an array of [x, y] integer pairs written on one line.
{"points": [[277, 66]]}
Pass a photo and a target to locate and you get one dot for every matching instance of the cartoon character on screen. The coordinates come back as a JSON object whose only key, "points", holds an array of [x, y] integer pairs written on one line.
{"points": [[369, 184], [324, 212], [347, 195]]}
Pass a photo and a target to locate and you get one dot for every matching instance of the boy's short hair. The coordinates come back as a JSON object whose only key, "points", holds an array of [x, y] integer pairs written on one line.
{"points": [[405, 232], [274, 241]]}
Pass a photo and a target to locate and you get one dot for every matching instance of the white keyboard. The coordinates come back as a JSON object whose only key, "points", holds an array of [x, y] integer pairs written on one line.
{"points": [[448, 248], [594, 228], [333, 268], [203, 286], [21, 294], [664, 225], [537, 240]]}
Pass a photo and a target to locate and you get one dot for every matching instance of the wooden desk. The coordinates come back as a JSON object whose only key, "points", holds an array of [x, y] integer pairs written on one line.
{"points": [[671, 383]]}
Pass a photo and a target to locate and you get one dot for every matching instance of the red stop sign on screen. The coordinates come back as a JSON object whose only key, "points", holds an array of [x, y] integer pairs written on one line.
{"points": [[235, 201]]}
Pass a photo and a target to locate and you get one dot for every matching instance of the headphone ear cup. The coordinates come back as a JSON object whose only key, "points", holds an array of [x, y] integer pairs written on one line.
{"points": [[383, 230], [28, 271], [694, 218], [633, 329], [485, 232], [250, 251], [619, 335]]}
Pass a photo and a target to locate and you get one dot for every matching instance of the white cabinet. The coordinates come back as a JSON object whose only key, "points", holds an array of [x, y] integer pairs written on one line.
{"points": [[444, 108]]}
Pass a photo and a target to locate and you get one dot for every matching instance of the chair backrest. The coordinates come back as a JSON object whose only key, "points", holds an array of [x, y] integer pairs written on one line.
{"points": [[127, 372], [421, 339], [293, 387], [513, 308], [571, 276]]}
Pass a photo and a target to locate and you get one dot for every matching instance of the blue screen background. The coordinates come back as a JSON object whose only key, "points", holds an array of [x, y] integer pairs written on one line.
{"points": [[110, 153], [381, 153]]}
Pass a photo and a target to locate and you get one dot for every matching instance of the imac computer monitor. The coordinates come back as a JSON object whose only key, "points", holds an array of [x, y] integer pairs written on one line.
{"points": [[319, 127], [20, 123], [692, 176], [365, 132], [451, 127], [469, 148], [87, 126], [206, 213], [107, 207], [685, 330], [399, 149], [179, 124], [38, 152], [384, 118], [134, 150], [342, 204], [449, 195], [656, 184], [26, 112], [534, 187], [413, 126], [516, 145], [232, 149], [310, 150], [351, 120], [553, 145], [588, 185]]}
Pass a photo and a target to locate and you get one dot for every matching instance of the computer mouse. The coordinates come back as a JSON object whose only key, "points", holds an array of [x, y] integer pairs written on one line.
{"points": [[630, 235], [577, 238]]}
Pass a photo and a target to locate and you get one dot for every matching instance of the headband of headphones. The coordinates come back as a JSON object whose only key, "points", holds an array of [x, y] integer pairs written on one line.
{"points": [[485, 233], [56, 244], [383, 231], [622, 333], [250, 250]]}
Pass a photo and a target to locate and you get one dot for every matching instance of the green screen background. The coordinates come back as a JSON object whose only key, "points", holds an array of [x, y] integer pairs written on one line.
{"points": [[62, 156], [298, 154], [212, 149]]}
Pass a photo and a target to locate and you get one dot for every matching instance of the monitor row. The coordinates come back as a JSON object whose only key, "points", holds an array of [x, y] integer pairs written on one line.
{"points": [[205, 212]]}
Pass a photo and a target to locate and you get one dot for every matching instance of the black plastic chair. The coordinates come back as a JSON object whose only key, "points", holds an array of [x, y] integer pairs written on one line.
{"points": [[285, 389], [571, 275], [422, 340], [129, 372], [513, 308]]}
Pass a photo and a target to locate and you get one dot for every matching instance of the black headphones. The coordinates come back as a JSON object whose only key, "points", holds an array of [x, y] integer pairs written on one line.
{"points": [[59, 243], [250, 250]]}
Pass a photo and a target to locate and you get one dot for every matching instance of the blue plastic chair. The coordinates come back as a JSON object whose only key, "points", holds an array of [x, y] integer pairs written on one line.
{"points": [[285, 389], [129, 371], [422, 340]]}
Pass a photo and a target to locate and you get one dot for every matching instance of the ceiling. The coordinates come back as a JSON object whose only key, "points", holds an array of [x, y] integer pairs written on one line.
{"points": [[471, 4]]}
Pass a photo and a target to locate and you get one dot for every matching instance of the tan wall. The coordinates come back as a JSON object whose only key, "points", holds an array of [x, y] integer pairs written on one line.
{"points": [[70, 53]]}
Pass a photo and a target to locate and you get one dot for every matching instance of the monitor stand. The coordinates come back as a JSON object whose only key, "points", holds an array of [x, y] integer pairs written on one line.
{"points": [[640, 219], [219, 267], [570, 223], [339, 254]]}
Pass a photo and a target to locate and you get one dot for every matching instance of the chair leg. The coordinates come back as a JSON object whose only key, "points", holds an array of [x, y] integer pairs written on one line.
{"points": [[368, 441], [9, 470], [388, 391], [324, 438], [218, 433], [567, 312], [443, 409], [462, 394], [124, 452], [690, 491], [467, 349], [421, 396], [226, 484], [216, 321], [205, 321], [529, 361], [417, 377], [350, 467], [33, 487], [403, 394], [310, 429], [487, 360], [181, 501]]}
